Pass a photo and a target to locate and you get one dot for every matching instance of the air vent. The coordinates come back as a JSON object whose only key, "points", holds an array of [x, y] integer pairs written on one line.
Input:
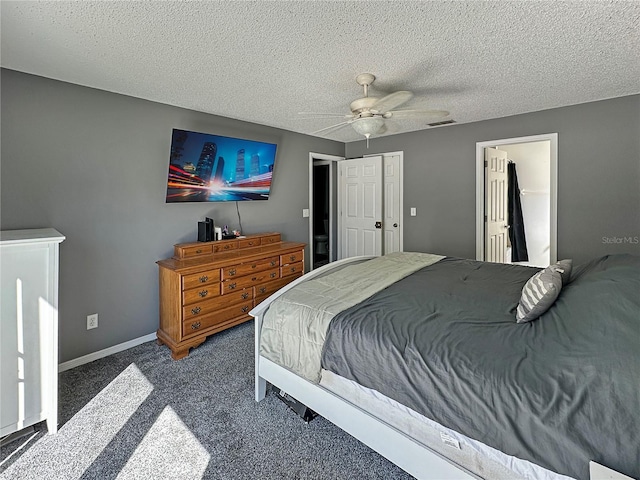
{"points": [[438, 124]]}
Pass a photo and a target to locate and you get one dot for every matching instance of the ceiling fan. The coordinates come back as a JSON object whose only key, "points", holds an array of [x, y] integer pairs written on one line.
{"points": [[370, 115]]}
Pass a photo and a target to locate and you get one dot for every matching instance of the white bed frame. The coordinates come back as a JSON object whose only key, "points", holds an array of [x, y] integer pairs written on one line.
{"points": [[407, 453]]}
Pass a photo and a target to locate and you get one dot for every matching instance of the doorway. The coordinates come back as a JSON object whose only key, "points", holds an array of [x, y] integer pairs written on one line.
{"points": [[322, 209], [533, 168], [370, 205]]}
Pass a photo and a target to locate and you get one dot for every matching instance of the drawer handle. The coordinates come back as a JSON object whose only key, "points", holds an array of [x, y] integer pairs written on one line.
{"points": [[250, 243], [196, 310], [226, 247], [263, 289], [203, 293], [253, 266], [273, 274], [273, 263], [245, 295], [232, 271], [254, 279], [203, 279], [245, 309], [293, 258], [198, 251], [293, 269], [195, 326], [232, 286]]}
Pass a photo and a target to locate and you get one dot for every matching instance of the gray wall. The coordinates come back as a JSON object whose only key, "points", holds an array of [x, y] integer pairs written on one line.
{"points": [[93, 165], [598, 178]]}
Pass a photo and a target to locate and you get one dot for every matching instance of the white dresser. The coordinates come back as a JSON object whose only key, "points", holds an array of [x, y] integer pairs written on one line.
{"points": [[29, 328]]}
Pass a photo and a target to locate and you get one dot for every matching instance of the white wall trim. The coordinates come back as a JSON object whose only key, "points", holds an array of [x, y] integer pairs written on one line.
{"points": [[121, 347], [553, 219]]}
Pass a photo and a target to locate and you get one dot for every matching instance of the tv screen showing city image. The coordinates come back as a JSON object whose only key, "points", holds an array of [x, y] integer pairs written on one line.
{"points": [[212, 168]]}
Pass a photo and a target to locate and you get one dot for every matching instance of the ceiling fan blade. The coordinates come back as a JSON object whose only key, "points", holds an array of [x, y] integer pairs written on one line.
{"points": [[332, 127], [392, 101], [325, 115], [416, 113]]}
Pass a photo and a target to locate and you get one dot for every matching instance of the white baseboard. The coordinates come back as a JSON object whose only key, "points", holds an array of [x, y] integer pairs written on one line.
{"points": [[76, 362]]}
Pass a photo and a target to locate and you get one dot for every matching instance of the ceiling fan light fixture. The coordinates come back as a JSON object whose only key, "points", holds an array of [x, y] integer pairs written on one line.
{"points": [[368, 125]]}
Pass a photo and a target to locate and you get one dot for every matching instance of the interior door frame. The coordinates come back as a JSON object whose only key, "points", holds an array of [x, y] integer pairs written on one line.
{"points": [[331, 160], [553, 183]]}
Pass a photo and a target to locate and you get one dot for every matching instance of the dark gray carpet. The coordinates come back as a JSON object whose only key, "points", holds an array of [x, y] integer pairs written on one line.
{"points": [[139, 414]]}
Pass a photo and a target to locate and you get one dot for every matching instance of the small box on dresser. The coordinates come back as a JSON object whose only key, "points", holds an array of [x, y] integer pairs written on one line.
{"points": [[207, 287]]}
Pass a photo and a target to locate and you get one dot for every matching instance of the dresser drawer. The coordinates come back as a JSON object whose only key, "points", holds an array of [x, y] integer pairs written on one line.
{"points": [[204, 249], [249, 268], [215, 304], [270, 287], [269, 239], [225, 246], [201, 293], [233, 284], [292, 269], [291, 258], [249, 242], [195, 325], [201, 279]]}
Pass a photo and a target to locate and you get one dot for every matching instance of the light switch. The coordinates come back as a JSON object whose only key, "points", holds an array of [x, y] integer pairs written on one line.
{"points": [[305, 213], [413, 211]]}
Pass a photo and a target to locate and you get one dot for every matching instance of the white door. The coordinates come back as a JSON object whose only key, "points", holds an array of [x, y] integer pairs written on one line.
{"points": [[361, 206], [392, 188], [496, 216]]}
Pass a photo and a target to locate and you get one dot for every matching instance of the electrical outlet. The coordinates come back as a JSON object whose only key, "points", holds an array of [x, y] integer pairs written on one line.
{"points": [[305, 213], [92, 321]]}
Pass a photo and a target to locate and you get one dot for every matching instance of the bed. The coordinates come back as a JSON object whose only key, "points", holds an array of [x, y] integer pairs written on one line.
{"points": [[420, 357]]}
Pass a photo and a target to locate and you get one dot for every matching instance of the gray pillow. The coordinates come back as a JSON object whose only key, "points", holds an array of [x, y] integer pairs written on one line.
{"points": [[564, 267], [539, 293]]}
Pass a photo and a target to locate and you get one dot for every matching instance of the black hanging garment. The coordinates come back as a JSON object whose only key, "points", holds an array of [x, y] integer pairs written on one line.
{"points": [[516, 232]]}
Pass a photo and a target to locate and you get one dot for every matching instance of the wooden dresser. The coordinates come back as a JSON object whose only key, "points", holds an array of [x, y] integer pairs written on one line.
{"points": [[207, 287]]}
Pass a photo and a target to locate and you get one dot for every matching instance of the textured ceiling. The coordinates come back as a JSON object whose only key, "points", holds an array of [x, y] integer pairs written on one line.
{"points": [[266, 61]]}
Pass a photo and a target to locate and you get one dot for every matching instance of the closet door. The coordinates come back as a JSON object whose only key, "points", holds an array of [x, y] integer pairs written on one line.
{"points": [[496, 221], [361, 206]]}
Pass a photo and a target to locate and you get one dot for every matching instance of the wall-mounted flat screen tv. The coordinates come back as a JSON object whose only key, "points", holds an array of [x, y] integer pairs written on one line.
{"points": [[212, 168]]}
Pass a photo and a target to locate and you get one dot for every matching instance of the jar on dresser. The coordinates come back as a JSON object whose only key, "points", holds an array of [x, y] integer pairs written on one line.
{"points": [[207, 287]]}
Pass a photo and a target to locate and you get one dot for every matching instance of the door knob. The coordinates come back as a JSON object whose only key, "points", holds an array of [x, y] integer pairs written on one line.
{"points": [[395, 225], [378, 224]]}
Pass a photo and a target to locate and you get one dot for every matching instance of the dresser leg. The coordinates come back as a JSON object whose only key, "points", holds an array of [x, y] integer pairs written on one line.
{"points": [[179, 353]]}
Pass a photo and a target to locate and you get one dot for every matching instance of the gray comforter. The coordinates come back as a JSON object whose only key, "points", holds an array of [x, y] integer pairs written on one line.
{"points": [[559, 391], [296, 323]]}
